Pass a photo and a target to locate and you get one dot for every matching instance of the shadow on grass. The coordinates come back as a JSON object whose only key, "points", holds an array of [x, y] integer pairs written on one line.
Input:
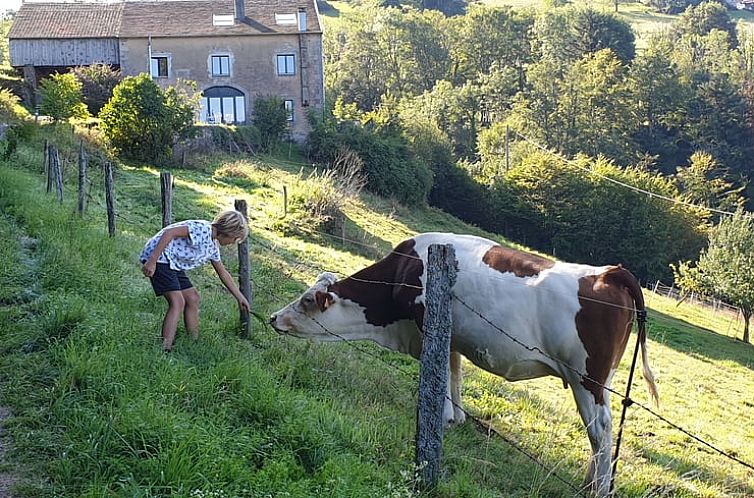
{"points": [[699, 342], [688, 470]]}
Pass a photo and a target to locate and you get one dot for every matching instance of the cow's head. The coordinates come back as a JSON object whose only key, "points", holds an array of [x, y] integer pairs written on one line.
{"points": [[319, 313]]}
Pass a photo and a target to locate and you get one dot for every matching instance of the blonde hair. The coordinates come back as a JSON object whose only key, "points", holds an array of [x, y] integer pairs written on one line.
{"points": [[231, 224]]}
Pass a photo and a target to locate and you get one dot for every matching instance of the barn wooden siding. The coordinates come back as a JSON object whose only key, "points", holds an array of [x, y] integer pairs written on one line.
{"points": [[64, 52]]}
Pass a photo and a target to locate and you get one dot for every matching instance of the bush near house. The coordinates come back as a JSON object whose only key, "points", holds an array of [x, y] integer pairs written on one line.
{"points": [[97, 84], [142, 121], [61, 98], [271, 119]]}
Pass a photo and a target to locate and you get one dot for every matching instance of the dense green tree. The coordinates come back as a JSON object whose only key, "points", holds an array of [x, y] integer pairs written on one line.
{"points": [[595, 108], [593, 31], [61, 97], [567, 34], [726, 268], [702, 19], [672, 6], [703, 184], [142, 121], [97, 84], [489, 37], [658, 102]]}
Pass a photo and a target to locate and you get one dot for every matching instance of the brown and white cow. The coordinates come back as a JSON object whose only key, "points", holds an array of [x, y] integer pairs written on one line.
{"points": [[575, 320]]}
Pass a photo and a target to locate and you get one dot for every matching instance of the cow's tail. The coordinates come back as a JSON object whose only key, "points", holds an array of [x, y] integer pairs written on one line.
{"points": [[641, 317]]}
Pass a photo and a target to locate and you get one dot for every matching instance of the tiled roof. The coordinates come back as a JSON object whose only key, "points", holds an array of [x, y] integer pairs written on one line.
{"points": [[157, 18], [71, 20]]}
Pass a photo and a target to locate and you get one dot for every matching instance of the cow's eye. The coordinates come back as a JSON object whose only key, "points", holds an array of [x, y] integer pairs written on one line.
{"points": [[308, 300]]}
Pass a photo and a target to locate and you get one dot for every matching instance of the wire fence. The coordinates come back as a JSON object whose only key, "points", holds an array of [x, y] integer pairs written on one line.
{"points": [[716, 306]]}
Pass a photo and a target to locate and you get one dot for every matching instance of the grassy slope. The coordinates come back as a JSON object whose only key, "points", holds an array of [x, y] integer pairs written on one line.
{"points": [[98, 409]]}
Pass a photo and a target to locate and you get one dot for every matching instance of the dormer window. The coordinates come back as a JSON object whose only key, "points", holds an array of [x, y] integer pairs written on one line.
{"points": [[222, 19], [285, 19]]}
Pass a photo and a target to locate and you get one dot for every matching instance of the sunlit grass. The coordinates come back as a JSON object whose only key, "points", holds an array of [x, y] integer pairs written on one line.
{"points": [[99, 410]]}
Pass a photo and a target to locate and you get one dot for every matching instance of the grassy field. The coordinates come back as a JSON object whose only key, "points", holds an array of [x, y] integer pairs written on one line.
{"points": [[98, 410]]}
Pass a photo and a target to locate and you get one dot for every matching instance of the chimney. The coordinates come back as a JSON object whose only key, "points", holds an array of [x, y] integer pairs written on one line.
{"points": [[240, 10], [301, 19]]}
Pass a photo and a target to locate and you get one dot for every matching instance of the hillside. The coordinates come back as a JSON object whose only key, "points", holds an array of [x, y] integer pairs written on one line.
{"points": [[97, 409]]}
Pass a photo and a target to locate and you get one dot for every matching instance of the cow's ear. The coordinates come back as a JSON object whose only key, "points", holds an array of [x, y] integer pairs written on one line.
{"points": [[324, 300]]}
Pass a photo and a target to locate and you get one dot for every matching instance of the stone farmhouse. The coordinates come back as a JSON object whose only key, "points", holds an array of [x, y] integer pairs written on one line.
{"points": [[234, 49]]}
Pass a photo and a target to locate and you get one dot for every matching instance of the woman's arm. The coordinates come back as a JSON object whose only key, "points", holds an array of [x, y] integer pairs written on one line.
{"points": [[228, 282], [167, 236]]}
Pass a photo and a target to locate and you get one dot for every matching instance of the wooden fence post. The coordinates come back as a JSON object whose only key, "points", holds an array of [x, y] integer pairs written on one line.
{"points": [[58, 175], [507, 149], [285, 201], [166, 196], [110, 198], [435, 357], [48, 172], [244, 273], [82, 179]]}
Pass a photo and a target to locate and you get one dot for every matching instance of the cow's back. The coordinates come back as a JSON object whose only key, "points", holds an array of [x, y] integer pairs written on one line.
{"points": [[511, 306]]}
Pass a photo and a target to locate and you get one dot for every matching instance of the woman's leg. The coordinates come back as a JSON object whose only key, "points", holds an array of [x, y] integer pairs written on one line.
{"points": [[176, 304], [191, 311]]}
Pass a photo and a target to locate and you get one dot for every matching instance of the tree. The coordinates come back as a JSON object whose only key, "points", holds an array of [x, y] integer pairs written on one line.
{"points": [[142, 121], [702, 19], [699, 184], [61, 97], [725, 269], [97, 84]]}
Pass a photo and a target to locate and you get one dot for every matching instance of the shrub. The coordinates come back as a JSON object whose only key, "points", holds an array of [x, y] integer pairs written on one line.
{"points": [[271, 119], [97, 84], [142, 121], [61, 97], [389, 164], [11, 110]]}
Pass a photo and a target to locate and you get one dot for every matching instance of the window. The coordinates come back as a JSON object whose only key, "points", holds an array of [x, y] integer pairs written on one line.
{"points": [[288, 104], [220, 65], [286, 65], [284, 19], [159, 67], [222, 19], [223, 104]]}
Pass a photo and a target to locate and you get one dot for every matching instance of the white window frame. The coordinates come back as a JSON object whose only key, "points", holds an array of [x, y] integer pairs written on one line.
{"points": [[287, 71], [212, 65], [289, 107], [153, 60], [223, 19]]}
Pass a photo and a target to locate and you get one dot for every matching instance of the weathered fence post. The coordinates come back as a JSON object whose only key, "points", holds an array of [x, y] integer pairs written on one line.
{"points": [[48, 172], [435, 357], [110, 198], [166, 196], [285, 201], [58, 175], [244, 277], [82, 179]]}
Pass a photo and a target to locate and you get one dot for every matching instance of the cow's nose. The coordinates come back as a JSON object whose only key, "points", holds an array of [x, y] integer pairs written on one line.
{"points": [[273, 318]]}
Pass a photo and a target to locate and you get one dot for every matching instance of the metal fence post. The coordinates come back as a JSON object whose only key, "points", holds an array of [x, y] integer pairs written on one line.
{"points": [[435, 357]]}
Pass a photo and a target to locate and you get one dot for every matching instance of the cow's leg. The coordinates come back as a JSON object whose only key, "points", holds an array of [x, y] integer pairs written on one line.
{"points": [[455, 381], [598, 421]]}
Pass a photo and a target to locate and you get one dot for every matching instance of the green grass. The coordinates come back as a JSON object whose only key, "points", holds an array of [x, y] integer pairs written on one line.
{"points": [[98, 410]]}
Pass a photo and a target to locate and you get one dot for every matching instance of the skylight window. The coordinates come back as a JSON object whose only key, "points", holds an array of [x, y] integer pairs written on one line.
{"points": [[222, 19], [285, 19]]}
